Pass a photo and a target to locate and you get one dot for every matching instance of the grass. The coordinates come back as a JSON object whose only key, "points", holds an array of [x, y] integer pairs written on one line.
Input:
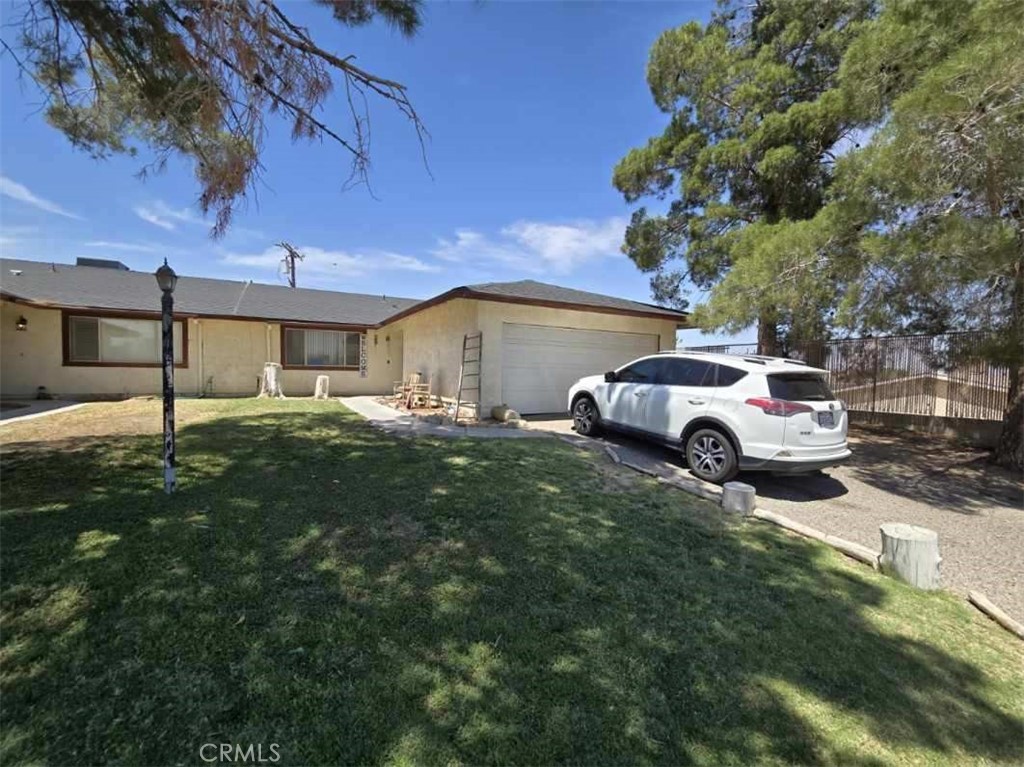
{"points": [[361, 599]]}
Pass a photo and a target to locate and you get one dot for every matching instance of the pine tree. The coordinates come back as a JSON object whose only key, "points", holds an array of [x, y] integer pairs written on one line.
{"points": [[201, 80], [754, 117], [924, 228]]}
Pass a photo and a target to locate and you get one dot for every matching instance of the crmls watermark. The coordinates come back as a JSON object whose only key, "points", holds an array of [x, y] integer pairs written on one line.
{"points": [[253, 753]]}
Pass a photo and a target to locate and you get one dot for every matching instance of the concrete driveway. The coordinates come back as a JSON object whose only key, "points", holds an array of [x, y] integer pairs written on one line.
{"points": [[977, 509]]}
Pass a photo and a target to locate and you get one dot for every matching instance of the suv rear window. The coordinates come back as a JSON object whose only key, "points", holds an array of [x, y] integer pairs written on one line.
{"points": [[801, 387]]}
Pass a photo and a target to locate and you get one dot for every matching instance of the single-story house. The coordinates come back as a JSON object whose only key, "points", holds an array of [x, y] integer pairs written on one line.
{"points": [[91, 330]]}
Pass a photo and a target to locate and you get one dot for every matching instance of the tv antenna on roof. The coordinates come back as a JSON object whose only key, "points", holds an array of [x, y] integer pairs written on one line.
{"points": [[289, 261]]}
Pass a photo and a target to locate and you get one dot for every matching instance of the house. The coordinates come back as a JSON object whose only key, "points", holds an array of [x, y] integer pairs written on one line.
{"points": [[91, 330]]}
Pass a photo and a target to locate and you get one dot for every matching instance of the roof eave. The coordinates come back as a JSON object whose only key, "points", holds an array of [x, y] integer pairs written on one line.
{"points": [[15, 299], [467, 292]]}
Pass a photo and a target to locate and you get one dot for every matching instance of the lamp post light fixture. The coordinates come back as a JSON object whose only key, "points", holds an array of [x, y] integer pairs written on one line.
{"points": [[167, 279]]}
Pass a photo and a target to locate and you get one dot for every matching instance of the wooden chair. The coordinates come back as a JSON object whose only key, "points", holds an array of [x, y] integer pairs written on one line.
{"points": [[418, 394], [402, 388]]}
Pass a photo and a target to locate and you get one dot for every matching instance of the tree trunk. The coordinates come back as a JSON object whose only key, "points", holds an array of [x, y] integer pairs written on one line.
{"points": [[767, 335], [1010, 449]]}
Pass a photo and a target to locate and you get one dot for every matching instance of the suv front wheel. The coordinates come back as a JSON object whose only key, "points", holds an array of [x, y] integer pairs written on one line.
{"points": [[586, 421], [711, 456]]}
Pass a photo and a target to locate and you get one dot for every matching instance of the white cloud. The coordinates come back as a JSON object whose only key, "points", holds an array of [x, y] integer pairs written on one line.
{"points": [[127, 246], [332, 263], [11, 188], [148, 215], [536, 246], [154, 248], [161, 214]]}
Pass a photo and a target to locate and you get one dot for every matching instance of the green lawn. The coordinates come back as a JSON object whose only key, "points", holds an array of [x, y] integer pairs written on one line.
{"points": [[362, 599]]}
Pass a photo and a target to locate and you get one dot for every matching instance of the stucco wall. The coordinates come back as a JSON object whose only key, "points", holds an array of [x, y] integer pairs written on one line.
{"points": [[433, 337], [432, 342], [34, 357], [492, 315], [225, 359]]}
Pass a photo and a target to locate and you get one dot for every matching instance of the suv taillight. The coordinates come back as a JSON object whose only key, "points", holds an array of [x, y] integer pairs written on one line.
{"points": [[782, 407]]}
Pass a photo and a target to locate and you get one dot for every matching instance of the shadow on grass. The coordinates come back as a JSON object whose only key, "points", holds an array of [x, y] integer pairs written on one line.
{"points": [[362, 599]]}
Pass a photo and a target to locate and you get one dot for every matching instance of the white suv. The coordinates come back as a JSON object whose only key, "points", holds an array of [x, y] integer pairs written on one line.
{"points": [[727, 413]]}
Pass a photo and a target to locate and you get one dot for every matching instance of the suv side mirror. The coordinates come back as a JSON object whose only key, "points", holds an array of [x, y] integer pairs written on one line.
{"points": [[611, 377]]}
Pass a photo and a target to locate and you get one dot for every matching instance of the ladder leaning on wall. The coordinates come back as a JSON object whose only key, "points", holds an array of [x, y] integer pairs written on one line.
{"points": [[469, 371]]}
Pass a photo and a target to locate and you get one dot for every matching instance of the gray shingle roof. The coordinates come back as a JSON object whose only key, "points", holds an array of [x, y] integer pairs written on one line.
{"points": [[543, 292], [96, 287], [103, 288]]}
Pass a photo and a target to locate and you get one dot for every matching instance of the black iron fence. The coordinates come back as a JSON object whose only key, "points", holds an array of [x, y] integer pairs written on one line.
{"points": [[943, 375]]}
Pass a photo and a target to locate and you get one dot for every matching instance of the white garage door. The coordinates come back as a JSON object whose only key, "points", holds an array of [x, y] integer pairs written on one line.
{"points": [[540, 363]]}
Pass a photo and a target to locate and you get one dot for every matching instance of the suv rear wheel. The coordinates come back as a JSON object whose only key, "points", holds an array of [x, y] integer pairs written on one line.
{"points": [[586, 421], [711, 456]]}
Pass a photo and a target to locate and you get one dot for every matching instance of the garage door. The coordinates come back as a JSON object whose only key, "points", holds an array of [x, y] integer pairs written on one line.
{"points": [[540, 363]]}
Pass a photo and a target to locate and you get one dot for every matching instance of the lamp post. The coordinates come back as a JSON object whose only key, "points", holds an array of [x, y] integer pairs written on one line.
{"points": [[167, 279]]}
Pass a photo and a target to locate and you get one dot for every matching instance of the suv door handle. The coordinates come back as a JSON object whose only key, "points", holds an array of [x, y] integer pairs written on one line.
{"points": [[697, 401], [639, 394]]}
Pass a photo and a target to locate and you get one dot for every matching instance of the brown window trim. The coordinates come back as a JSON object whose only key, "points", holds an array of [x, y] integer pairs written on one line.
{"points": [[314, 326], [65, 326]]}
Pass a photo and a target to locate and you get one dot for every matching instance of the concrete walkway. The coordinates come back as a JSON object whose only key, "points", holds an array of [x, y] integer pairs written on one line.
{"points": [[24, 410], [405, 425]]}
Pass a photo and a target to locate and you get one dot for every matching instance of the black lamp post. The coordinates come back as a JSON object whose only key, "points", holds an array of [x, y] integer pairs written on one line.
{"points": [[167, 279]]}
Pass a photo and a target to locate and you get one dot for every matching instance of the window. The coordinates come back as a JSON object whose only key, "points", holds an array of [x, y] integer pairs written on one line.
{"points": [[119, 341], [314, 348], [727, 376], [686, 372], [799, 387], [644, 371]]}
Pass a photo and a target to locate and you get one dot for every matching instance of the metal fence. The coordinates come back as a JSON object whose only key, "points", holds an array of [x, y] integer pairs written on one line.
{"points": [[941, 375]]}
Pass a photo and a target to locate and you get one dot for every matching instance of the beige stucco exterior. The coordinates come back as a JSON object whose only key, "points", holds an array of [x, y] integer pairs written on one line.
{"points": [[225, 358], [432, 338], [432, 342]]}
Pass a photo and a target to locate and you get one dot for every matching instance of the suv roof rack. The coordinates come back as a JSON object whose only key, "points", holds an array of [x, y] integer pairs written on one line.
{"points": [[761, 359]]}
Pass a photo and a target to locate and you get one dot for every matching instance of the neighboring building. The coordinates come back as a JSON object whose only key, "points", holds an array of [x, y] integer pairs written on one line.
{"points": [[91, 331]]}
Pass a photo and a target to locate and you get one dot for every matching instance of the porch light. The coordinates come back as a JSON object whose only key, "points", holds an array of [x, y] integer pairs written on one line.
{"points": [[22, 323], [166, 278]]}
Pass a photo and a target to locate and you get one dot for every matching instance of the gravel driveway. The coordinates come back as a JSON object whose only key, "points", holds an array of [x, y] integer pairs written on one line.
{"points": [[977, 509]]}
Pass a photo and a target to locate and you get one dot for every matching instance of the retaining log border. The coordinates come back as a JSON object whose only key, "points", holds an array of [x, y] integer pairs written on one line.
{"points": [[850, 549]]}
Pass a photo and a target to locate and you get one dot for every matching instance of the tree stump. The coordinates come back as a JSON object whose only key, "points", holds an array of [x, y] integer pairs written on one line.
{"points": [[504, 413], [270, 386], [738, 498], [911, 553], [323, 385]]}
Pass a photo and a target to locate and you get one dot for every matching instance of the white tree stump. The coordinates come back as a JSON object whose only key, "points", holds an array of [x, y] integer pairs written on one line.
{"points": [[323, 387], [270, 386], [504, 413], [911, 553], [738, 498]]}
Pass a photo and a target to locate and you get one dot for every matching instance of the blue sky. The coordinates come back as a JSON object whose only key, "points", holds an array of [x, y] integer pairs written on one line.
{"points": [[529, 106]]}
